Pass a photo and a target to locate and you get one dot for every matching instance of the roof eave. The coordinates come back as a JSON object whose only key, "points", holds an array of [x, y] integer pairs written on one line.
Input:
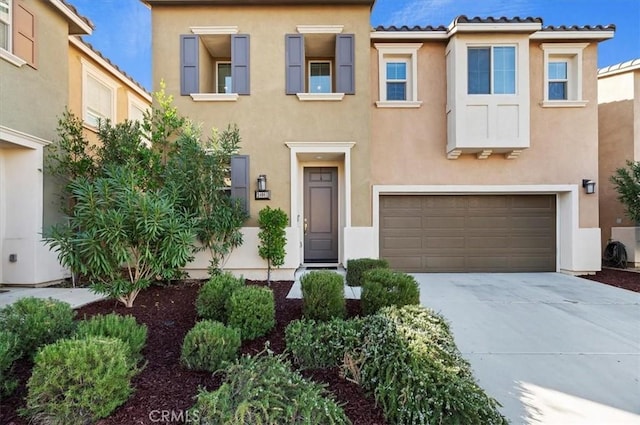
{"points": [[78, 25], [573, 35]]}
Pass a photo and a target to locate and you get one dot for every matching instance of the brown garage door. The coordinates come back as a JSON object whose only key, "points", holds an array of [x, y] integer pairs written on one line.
{"points": [[468, 233]]}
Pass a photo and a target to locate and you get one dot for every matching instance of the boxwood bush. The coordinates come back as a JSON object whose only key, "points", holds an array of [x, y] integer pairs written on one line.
{"points": [[323, 295], [252, 311], [8, 355], [385, 287], [322, 344], [78, 381], [264, 390], [214, 296], [113, 325], [357, 267], [37, 322], [413, 368], [208, 345]]}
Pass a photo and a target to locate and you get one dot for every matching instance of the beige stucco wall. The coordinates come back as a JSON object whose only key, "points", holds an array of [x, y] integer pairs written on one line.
{"points": [[619, 141], [268, 118], [408, 146]]}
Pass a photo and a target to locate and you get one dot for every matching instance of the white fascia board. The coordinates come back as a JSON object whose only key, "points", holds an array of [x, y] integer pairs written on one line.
{"points": [[110, 68], [409, 35], [572, 35], [72, 16]]}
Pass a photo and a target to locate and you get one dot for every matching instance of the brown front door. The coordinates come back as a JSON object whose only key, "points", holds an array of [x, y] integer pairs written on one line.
{"points": [[320, 214]]}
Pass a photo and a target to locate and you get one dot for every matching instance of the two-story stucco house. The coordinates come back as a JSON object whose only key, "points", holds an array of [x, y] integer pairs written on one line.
{"points": [[619, 137], [35, 88], [459, 148]]}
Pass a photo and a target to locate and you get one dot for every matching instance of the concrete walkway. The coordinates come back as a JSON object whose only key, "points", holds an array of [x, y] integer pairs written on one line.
{"points": [[76, 297], [551, 348]]}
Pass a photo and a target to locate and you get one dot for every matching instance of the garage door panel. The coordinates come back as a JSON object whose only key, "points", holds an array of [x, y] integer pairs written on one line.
{"points": [[476, 233]]}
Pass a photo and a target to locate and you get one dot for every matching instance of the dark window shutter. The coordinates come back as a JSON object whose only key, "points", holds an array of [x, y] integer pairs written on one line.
{"points": [[189, 74], [240, 180], [294, 45], [345, 61], [240, 63]]}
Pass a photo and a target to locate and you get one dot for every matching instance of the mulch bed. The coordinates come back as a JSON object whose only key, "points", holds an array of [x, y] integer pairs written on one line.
{"points": [[619, 278], [164, 385]]}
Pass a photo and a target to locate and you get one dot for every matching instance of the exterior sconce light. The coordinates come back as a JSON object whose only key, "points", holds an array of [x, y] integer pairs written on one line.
{"points": [[589, 186], [262, 192]]}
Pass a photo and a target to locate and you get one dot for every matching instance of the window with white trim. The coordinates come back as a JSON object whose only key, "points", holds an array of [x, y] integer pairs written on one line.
{"points": [[319, 76], [491, 70], [223, 77], [563, 74], [398, 79], [98, 96], [5, 24]]}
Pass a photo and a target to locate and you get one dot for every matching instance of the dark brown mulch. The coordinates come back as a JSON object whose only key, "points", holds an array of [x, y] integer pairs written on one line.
{"points": [[620, 278], [163, 385]]}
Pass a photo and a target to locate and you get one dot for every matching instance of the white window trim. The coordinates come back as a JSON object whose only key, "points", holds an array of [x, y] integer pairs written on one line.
{"points": [[216, 77], [11, 58], [491, 46], [134, 102], [330, 97], [214, 30], [10, 27], [90, 70], [319, 29], [6, 54], [214, 97], [409, 50], [572, 52], [309, 62]]}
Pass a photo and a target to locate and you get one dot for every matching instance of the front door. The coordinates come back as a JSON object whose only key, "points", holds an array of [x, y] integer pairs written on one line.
{"points": [[321, 215]]}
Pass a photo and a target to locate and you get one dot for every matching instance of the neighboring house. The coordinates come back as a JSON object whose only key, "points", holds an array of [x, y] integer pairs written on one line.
{"points": [[619, 142], [459, 148], [34, 87], [98, 89]]}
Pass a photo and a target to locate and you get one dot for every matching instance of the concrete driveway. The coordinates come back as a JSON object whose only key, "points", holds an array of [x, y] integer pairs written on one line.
{"points": [[551, 348]]}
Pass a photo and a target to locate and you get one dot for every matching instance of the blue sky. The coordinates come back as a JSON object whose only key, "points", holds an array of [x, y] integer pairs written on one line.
{"points": [[123, 27]]}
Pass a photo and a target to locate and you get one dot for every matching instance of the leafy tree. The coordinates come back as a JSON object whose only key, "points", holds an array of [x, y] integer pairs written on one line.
{"points": [[627, 183], [272, 236], [121, 236]]}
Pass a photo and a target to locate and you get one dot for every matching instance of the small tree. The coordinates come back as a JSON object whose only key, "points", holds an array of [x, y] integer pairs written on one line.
{"points": [[627, 183], [122, 237], [272, 236]]}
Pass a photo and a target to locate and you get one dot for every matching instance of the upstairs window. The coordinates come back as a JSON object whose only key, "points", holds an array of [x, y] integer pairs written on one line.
{"points": [[326, 59], [17, 34], [398, 69], [563, 74], [98, 96], [214, 64], [5, 24], [491, 70]]}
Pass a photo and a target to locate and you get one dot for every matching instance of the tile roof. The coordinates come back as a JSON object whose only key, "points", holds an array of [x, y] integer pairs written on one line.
{"points": [[618, 68], [414, 28], [73, 9], [610, 27], [463, 19]]}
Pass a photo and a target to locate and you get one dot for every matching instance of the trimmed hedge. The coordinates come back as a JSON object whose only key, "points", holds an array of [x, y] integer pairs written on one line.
{"points": [[385, 287], [37, 322], [78, 381], [9, 353], [323, 295], [264, 390], [208, 345], [113, 325], [322, 344], [357, 267], [252, 311], [417, 375], [214, 295]]}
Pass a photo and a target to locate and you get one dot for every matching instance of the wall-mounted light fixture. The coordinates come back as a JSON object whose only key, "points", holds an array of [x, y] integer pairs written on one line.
{"points": [[589, 186], [262, 192]]}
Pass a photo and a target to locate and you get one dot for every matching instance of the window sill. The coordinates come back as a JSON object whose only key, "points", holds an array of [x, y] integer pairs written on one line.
{"points": [[11, 58], [564, 103], [214, 97], [398, 104], [327, 97]]}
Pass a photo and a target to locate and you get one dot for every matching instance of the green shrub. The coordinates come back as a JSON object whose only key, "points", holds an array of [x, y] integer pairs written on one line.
{"points": [[214, 295], [208, 344], [417, 375], [114, 325], [323, 295], [384, 287], [8, 355], [78, 381], [37, 322], [252, 311], [357, 267], [322, 344], [264, 390]]}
